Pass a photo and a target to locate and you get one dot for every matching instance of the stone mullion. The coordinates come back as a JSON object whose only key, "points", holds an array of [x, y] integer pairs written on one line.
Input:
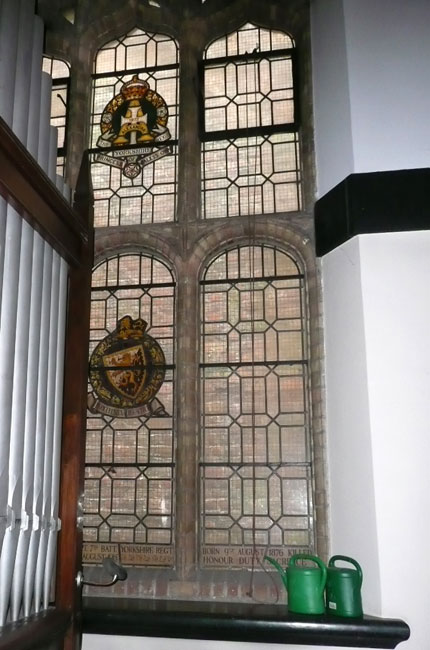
{"points": [[189, 142], [188, 424]]}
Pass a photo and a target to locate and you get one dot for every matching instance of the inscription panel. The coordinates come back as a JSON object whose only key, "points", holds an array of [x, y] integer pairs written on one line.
{"points": [[129, 554], [244, 557]]}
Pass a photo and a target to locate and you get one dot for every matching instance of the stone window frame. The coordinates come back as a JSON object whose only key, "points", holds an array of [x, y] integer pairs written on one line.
{"points": [[186, 242]]}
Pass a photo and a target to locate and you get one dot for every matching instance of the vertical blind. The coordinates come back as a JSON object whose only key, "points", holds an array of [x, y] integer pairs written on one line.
{"points": [[33, 291]]}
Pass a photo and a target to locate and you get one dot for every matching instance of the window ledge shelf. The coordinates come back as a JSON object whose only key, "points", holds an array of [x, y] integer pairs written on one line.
{"points": [[236, 622]]}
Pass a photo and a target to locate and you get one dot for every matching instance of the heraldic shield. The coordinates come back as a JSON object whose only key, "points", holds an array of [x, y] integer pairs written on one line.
{"points": [[134, 128], [127, 369]]}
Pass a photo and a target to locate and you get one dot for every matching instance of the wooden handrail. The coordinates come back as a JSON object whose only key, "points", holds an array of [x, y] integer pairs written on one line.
{"points": [[29, 190]]}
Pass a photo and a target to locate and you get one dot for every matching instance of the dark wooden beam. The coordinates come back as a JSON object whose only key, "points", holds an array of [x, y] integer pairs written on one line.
{"points": [[28, 189], [43, 631], [69, 560]]}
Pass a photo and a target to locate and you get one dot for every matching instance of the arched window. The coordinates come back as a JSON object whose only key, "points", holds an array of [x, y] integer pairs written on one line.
{"points": [[250, 150], [255, 469], [224, 472], [130, 434], [134, 130]]}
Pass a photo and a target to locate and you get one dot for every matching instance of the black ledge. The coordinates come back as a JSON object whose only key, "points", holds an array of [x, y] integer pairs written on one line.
{"points": [[392, 201], [236, 622]]}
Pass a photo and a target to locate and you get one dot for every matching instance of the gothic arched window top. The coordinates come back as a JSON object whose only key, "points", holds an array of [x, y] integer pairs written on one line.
{"points": [[136, 50], [248, 38]]}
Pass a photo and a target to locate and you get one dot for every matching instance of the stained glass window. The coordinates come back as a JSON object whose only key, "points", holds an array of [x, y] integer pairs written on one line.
{"points": [[250, 149], [255, 469], [226, 476], [60, 73], [134, 130], [130, 438]]}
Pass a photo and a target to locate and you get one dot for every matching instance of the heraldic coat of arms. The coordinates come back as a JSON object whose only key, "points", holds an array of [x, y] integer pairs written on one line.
{"points": [[136, 116], [127, 369]]}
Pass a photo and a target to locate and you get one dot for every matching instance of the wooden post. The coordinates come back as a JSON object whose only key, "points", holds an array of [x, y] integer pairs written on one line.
{"points": [[69, 561]]}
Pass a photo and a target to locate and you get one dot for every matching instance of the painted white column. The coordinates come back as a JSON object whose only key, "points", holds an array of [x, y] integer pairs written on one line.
{"points": [[376, 323]]}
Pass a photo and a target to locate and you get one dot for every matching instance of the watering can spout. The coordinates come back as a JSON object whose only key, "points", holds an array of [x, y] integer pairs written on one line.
{"points": [[280, 570]]}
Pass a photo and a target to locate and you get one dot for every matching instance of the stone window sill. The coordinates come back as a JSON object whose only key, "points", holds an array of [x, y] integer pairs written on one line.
{"points": [[236, 622]]}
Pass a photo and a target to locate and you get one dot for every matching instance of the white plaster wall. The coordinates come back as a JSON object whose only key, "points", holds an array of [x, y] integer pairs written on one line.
{"points": [[105, 642], [370, 84], [396, 297], [377, 315], [353, 528]]}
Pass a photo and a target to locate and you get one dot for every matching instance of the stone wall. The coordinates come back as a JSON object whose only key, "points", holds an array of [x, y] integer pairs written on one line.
{"points": [[189, 242]]}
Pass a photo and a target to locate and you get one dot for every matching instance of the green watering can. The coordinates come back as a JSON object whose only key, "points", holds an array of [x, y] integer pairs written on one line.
{"points": [[343, 590], [304, 584]]}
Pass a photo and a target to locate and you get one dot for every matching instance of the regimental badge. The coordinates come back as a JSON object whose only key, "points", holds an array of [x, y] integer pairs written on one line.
{"points": [[127, 369], [137, 116]]}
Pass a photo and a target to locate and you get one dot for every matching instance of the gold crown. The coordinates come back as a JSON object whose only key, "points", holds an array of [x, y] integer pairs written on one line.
{"points": [[135, 88], [127, 328]]}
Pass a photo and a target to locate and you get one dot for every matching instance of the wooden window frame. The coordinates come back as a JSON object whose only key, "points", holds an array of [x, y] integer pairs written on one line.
{"points": [[25, 186]]}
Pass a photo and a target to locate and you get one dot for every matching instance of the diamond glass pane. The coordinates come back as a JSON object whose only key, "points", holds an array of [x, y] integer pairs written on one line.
{"points": [[255, 465], [254, 175], [242, 94], [250, 149], [130, 464]]}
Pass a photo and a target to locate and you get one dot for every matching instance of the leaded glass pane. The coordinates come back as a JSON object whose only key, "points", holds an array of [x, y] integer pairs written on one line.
{"points": [[134, 130], [130, 465], [242, 94], [60, 73], [247, 39], [255, 466], [254, 175], [250, 149]]}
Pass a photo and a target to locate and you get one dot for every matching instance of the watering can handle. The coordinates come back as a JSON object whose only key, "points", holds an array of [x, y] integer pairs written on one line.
{"points": [[345, 558], [279, 569], [312, 558]]}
